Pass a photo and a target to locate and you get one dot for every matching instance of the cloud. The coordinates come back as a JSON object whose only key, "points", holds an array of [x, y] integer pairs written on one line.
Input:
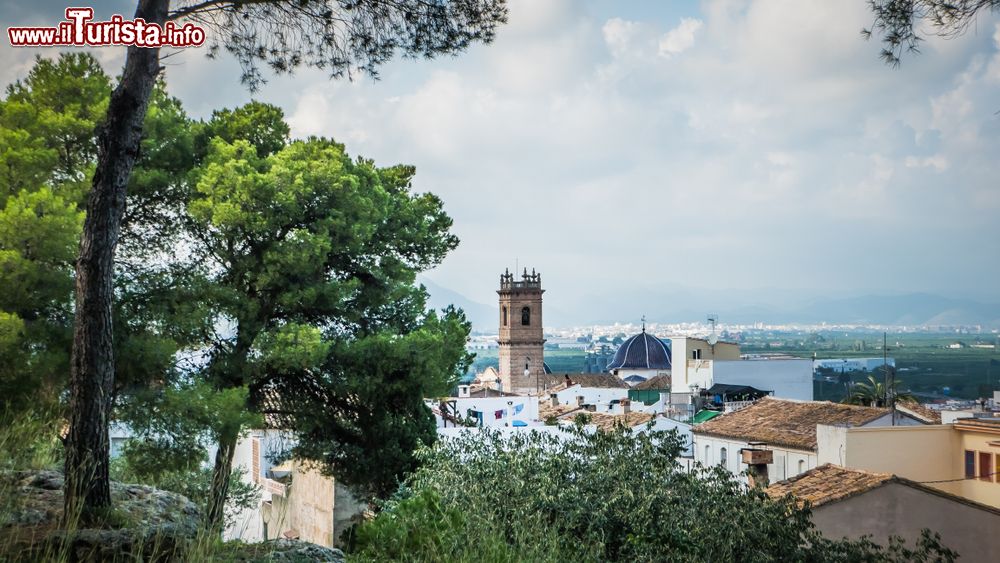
{"points": [[680, 38]]}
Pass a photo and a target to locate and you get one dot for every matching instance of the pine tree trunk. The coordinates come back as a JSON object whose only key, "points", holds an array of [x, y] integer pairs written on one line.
{"points": [[87, 489], [215, 512]]}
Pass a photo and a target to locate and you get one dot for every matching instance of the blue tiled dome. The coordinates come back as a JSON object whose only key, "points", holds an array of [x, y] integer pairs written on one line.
{"points": [[642, 351]]}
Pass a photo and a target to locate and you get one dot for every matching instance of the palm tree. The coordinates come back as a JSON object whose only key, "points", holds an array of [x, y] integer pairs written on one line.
{"points": [[873, 393]]}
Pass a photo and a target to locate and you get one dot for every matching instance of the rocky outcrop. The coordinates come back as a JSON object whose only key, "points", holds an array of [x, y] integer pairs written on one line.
{"points": [[145, 523], [288, 551]]}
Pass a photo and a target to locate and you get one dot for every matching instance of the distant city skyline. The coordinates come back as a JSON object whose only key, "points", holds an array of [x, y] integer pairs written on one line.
{"points": [[638, 149]]}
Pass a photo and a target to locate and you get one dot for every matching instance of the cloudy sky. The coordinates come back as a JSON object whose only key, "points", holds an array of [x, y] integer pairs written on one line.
{"points": [[628, 148]]}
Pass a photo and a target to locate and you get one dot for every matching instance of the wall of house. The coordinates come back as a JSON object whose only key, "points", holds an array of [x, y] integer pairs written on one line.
{"points": [[685, 369], [664, 424], [920, 453], [591, 395], [789, 379], [788, 462], [898, 509], [985, 490], [489, 407], [306, 509]]}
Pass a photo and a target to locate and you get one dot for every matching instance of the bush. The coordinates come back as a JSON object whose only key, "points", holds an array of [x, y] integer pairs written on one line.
{"points": [[594, 496]]}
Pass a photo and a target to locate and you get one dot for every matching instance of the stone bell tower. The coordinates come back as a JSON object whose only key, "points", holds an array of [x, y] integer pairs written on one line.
{"points": [[521, 340]]}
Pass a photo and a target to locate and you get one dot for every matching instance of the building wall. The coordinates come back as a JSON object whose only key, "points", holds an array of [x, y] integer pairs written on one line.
{"points": [[920, 453], [686, 369], [986, 491], [788, 462], [897, 509], [789, 379], [591, 395], [489, 406], [518, 342]]}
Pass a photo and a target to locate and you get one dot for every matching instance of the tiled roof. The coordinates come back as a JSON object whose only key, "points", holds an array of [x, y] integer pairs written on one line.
{"points": [[922, 412], [642, 351], [606, 421], [980, 423], [655, 382], [783, 422], [550, 381], [828, 483], [545, 410]]}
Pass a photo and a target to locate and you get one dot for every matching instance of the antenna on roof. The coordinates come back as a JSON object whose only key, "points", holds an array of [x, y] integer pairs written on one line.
{"points": [[713, 319]]}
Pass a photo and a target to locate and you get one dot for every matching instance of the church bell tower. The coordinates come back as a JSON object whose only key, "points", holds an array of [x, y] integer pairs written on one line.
{"points": [[521, 340]]}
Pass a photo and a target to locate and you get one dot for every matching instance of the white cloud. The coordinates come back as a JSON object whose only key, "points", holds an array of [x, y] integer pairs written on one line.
{"points": [[680, 38]]}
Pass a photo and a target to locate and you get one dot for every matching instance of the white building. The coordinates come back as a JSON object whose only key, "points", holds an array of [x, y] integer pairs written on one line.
{"points": [[784, 430]]}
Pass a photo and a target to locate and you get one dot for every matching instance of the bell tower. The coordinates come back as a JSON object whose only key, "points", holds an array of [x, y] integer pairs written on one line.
{"points": [[521, 340]]}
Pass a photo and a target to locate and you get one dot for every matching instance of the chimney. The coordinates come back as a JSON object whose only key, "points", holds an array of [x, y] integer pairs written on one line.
{"points": [[590, 408], [579, 400], [554, 400], [463, 391], [626, 406]]}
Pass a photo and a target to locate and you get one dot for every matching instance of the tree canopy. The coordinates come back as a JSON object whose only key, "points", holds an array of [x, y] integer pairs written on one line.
{"points": [[596, 496]]}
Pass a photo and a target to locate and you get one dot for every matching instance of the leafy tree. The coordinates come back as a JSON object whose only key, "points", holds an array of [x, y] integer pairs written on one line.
{"points": [[309, 260], [873, 393], [336, 35], [897, 22], [596, 496]]}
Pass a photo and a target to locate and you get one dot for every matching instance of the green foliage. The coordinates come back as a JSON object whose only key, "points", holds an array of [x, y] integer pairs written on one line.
{"points": [[600, 496], [873, 393], [29, 439]]}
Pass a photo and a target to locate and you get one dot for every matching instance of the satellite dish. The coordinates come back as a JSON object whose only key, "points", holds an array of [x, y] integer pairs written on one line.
{"points": [[713, 339]]}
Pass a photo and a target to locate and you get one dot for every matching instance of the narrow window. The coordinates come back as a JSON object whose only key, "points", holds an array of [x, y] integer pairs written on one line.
{"points": [[708, 454], [526, 316], [970, 464], [985, 466], [503, 322], [696, 354], [722, 457], [802, 466]]}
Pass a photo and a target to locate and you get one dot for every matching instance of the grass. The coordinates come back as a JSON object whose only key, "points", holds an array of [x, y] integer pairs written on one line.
{"points": [[30, 441]]}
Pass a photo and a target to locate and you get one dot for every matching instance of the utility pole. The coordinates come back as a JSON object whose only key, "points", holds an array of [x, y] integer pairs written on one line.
{"points": [[890, 379]]}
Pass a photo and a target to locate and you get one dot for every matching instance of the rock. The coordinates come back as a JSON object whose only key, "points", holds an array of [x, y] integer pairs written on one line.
{"points": [[285, 550], [145, 523]]}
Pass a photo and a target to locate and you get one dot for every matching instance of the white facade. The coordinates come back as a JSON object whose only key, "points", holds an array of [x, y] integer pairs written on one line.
{"points": [[599, 396], [788, 462], [497, 411], [664, 424], [787, 378], [853, 364]]}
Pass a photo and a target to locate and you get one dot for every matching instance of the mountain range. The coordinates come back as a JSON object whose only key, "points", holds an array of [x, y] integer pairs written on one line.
{"points": [[676, 305]]}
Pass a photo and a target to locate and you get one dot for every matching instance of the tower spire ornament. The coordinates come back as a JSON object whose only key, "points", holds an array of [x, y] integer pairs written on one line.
{"points": [[644, 323]]}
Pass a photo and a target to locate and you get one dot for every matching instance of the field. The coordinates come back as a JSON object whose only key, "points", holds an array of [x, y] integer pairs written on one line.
{"points": [[925, 363]]}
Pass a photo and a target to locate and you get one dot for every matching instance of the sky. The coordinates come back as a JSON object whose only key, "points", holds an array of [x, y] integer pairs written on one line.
{"points": [[626, 149]]}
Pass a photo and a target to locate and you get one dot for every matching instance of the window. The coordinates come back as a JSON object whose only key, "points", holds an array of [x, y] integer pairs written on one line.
{"points": [[708, 454], [503, 321], [996, 471], [526, 316], [722, 457], [985, 466], [970, 464], [696, 354], [802, 466]]}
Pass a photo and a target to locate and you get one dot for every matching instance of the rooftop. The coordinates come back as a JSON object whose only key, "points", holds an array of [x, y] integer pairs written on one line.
{"points": [[606, 421], [828, 483], [642, 351], [551, 382], [784, 422], [655, 382], [922, 412]]}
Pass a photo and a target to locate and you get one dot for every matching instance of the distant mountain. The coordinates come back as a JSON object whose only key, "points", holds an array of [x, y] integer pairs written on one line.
{"points": [[678, 304], [481, 316]]}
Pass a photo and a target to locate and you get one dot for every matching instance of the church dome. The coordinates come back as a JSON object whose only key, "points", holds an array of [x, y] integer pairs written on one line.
{"points": [[642, 351]]}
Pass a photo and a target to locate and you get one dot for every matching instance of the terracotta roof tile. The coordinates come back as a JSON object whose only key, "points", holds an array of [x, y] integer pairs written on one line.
{"points": [[920, 411], [550, 381], [655, 382], [828, 483], [606, 421], [783, 422]]}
